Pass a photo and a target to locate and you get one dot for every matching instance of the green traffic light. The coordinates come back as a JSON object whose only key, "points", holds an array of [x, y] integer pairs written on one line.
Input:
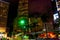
{"points": [[22, 22]]}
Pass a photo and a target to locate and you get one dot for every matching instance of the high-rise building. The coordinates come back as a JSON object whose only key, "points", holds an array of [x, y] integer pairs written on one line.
{"points": [[58, 6], [3, 14], [22, 11], [23, 8]]}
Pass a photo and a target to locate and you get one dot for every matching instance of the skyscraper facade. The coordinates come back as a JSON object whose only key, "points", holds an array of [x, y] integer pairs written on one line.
{"points": [[23, 8], [22, 12], [3, 13]]}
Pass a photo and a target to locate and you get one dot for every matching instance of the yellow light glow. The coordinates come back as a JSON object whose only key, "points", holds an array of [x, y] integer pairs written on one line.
{"points": [[5, 35], [2, 29], [59, 35], [8, 37]]}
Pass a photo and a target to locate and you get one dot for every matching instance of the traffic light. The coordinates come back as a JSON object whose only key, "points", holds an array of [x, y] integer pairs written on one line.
{"points": [[22, 22]]}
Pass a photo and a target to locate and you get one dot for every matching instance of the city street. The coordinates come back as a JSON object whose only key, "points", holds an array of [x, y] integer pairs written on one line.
{"points": [[29, 19]]}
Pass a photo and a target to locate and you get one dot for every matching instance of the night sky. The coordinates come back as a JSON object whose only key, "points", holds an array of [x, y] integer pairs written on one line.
{"points": [[39, 5]]}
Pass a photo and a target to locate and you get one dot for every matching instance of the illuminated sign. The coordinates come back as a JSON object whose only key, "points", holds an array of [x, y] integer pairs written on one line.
{"points": [[56, 16]]}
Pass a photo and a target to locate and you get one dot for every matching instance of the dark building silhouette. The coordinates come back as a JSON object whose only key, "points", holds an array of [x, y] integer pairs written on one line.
{"points": [[12, 13]]}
